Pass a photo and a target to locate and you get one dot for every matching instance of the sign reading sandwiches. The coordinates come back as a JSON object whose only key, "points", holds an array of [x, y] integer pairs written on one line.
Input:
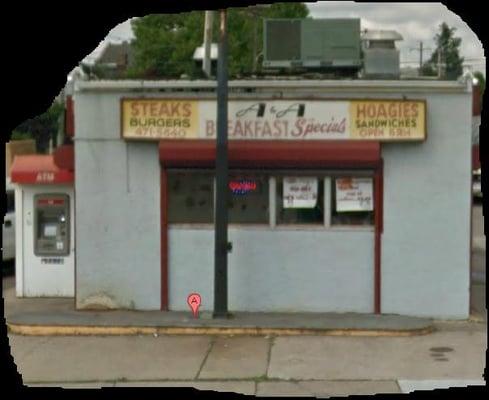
{"points": [[386, 120]]}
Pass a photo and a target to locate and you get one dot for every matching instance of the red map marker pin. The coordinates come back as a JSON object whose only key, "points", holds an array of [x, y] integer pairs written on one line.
{"points": [[193, 300]]}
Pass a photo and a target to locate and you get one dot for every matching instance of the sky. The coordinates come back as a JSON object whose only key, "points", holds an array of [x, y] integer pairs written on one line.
{"points": [[414, 21]]}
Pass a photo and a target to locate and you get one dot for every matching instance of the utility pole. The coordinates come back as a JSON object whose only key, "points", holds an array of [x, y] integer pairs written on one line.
{"points": [[420, 56], [206, 62], [420, 49], [255, 13], [221, 245], [440, 50], [255, 40]]}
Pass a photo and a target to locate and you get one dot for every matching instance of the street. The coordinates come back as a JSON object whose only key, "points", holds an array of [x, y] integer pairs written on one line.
{"points": [[454, 355]]}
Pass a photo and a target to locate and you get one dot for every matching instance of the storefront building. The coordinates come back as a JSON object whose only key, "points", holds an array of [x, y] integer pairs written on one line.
{"points": [[345, 196]]}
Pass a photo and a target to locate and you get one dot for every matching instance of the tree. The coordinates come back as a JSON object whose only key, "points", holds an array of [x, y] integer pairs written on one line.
{"points": [[448, 52], [16, 135], [164, 43], [41, 128]]}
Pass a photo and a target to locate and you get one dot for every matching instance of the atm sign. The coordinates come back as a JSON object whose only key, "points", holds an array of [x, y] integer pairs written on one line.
{"points": [[45, 176]]}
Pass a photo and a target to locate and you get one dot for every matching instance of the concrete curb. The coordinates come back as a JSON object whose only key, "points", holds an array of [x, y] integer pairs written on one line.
{"points": [[72, 330]]}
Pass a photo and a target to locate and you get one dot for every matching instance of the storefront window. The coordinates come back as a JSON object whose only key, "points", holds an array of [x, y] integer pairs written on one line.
{"points": [[248, 199], [190, 197], [300, 200], [352, 201]]}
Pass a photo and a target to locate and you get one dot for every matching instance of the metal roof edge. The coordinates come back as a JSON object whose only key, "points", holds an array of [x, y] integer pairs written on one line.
{"points": [[138, 85]]}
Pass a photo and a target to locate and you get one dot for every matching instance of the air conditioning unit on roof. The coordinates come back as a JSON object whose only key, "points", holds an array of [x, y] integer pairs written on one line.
{"points": [[312, 43]]}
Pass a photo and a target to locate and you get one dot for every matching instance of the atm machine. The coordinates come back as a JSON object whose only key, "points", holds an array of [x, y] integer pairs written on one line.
{"points": [[45, 250], [51, 224]]}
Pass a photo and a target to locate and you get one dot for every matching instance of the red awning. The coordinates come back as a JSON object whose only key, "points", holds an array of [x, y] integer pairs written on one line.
{"points": [[38, 169], [274, 154]]}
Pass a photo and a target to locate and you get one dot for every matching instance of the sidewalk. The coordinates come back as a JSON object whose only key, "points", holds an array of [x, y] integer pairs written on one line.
{"points": [[51, 316], [266, 365], [156, 322], [313, 365], [310, 388], [293, 365]]}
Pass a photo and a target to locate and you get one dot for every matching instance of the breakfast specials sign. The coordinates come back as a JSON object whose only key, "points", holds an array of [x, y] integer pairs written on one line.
{"points": [[386, 120]]}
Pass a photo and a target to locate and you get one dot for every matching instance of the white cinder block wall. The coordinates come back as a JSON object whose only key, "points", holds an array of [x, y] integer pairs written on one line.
{"points": [[427, 200], [118, 210], [425, 244]]}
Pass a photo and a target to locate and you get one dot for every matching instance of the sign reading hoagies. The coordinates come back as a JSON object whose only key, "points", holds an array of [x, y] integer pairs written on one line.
{"points": [[385, 120]]}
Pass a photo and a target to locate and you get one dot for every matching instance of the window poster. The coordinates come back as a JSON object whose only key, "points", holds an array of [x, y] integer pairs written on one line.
{"points": [[300, 192], [354, 194]]}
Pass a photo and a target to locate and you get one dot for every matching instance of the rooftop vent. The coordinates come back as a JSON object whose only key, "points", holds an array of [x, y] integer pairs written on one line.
{"points": [[380, 56]]}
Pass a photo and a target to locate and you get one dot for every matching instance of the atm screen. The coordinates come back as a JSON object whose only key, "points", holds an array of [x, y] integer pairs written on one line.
{"points": [[50, 230]]}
